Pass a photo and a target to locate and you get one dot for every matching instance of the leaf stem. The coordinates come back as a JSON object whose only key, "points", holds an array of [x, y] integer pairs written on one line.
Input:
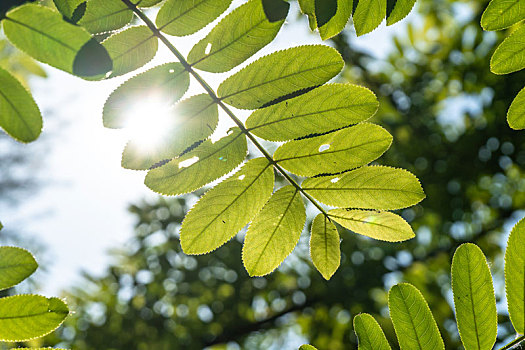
{"points": [[514, 342], [219, 102]]}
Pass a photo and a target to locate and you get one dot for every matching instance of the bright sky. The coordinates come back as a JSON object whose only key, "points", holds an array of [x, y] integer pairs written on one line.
{"points": [[81, 213]]}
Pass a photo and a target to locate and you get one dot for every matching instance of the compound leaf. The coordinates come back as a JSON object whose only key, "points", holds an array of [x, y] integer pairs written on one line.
{"points": [[130, 49], [25, 317], [515, 276], [383, 225], [281, 74], [369, 187], [474, 299], [325, 246], [184, 17], [105, 15], [510, 55], [370, 336], [334, 152], [501, 14], [204, 164], [16, 264], [274, 232], [368, 15], [333, 25], [19, 114], [413, 322], [237, 37], [326, 108], [227, 208], [516, 113], [401, 9], [67, 7]]}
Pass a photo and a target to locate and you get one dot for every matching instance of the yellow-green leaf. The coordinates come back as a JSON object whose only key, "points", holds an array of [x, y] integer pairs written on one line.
{"points": [[67, 7], [501, 14], [16, 264], [324, 246], [368, 15], [338, 22], [510, 54], [105, 15], [401, 9], [515, 276], [516, 113], [370, 336]]}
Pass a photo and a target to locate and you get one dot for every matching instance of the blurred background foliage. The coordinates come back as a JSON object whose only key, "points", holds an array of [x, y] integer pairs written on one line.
{"points": [[446, 112]]}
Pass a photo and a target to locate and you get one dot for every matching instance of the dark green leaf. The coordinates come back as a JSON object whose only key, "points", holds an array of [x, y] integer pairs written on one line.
{"points": [[275, 10], [324, 11]]}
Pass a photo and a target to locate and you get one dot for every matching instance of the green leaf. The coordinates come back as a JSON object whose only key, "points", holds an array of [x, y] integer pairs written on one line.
{"points": [[516, 113], [474, 299], [401, 9], [227, 208], [130, 49], [413, 322], [275, 10], [336, 23], [184, 17], [324, 246], [191, 121], [280, 74], [105, 15], [25, 317], [370, 336], [16, 264], [204, 164], [307, 347], [515, 276], [237, 37], [510, 55], [501, 14], [19, 114], [147, 3], [164, 84], [369, 187], [326, 108], [368, 15], [381, 225], [308, 8], [334, 152], [274, 232], [67, 7], [43, 34]]}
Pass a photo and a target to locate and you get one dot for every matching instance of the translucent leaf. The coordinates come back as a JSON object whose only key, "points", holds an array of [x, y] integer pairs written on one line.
{"points": [[237, 37], [191, 121], [164, 85], [516, 114], [370, 336], [326, 108], [227, 208], [19, 114], [501, 14], [204, 164], [337, 23], [308, 8], [370, 187], [43, 34], [16, 264], [510, 55], [325, 246], [334, 152], [130, 49], [384, 226], [105, 15], [474, 299], [401, 9], [67, 7], [275, 10], [413, 322], [25, 317], [274, 232], [147, 3], [515, 276], [281, 74], [184, 17], [307, 347], [368, 15]]}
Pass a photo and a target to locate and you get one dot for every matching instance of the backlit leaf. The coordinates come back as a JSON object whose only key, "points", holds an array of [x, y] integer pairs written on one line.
{"points": [[227, 208], [382, 225], [501, 14], [325, 10], [325, 246], [147, 3], [370, 187], [274, 232], [184, 17], [19, 114], [25, 317], [334, 152], [516, 114], [237, 37], [370, 336], [67, 7], [413, 322], [515, 276], [307, 347], [105, 15], [326, 108], [401, 9], [130, 49], [336, 23], [16, 264], [308, 8], [474, 299], [368, 15], [280, 74], [510, 55], [204, 164]]}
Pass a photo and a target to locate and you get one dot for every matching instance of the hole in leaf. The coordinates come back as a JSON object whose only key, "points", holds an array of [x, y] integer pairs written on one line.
{"points": [[241, 177], [334, 180], [207, 50], [186, 163], [324, 148]]}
